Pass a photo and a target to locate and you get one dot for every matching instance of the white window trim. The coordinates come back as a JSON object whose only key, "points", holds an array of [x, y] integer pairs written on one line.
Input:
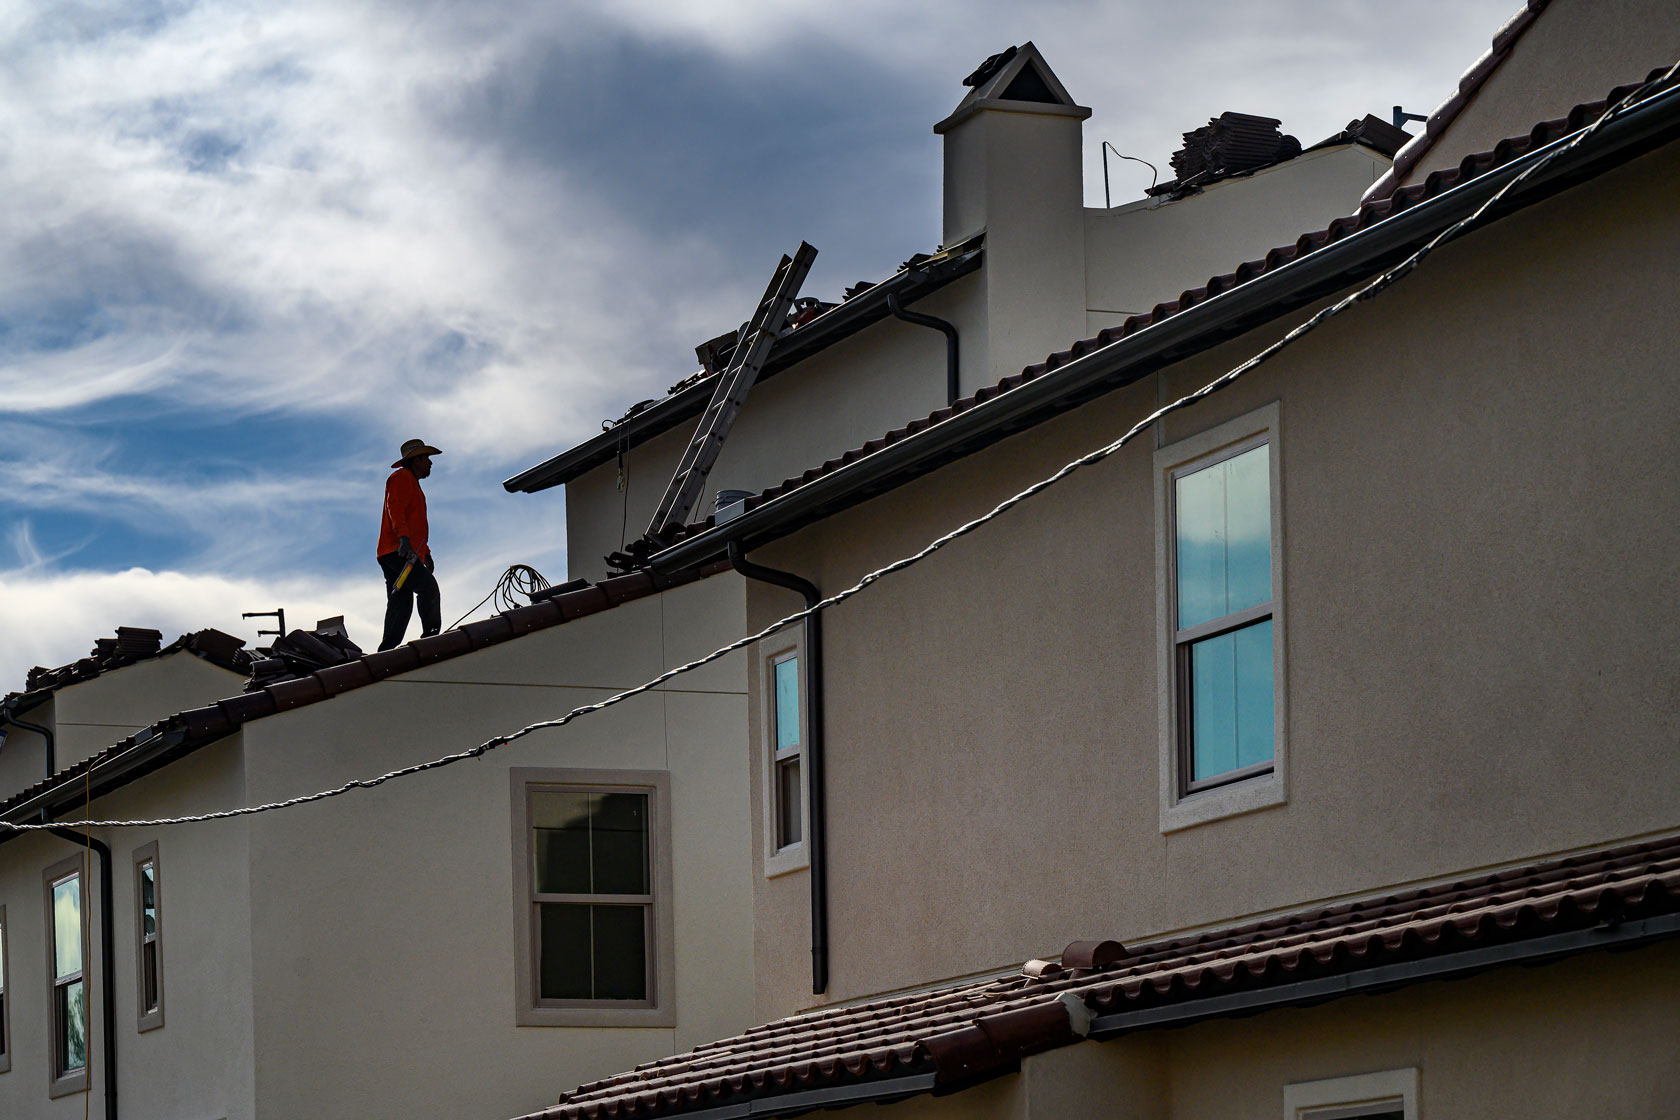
{"points": [[1260, 792], [77, 1081], [6, 992], [662, 991], [1337, 1098], [794, 857], [147, 1020]]}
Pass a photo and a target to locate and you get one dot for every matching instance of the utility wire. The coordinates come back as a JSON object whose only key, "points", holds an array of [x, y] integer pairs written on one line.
{"points": [[518, 580], [1369, 291]]}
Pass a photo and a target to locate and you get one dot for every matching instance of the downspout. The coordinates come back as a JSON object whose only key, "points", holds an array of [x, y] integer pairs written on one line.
{"points": [[8, 716], [950, 333], [107, 961], [814, 754]]}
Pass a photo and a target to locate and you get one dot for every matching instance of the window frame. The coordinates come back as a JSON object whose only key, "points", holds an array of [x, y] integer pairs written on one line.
{"points": [[5, 993], [780, 860], [1346, 1098], [65, 1082], [659, 1010], [148, 1020], [1185, 802]]}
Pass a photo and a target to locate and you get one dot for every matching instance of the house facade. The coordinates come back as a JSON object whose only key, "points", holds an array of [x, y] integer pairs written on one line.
{"points": [[569, 903], [1314, 708]]}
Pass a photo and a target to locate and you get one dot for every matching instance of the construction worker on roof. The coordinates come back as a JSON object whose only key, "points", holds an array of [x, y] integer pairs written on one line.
{"points": [[404, 554]]}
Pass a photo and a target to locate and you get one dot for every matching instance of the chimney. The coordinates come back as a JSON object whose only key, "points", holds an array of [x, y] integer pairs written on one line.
{"points": [[1013, 170]]}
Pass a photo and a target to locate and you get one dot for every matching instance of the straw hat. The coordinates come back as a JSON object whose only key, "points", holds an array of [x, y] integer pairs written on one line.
{"points": [[414, 447]]}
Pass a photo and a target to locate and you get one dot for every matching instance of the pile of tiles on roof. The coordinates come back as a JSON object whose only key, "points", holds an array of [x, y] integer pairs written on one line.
{"points": [[135, 643], [1228, 144], [303, 652]]}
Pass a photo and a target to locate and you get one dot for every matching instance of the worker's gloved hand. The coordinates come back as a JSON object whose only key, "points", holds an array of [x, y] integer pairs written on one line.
{"points": [[406, 549]]}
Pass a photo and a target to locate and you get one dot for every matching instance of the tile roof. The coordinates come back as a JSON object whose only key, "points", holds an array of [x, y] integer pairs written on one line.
{"points": [[1368, 214], [1447, 111], [963, 1034], [183, 732], [131, 644]]}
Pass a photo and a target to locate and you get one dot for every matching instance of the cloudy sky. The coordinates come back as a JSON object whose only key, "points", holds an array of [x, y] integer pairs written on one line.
{"points": [[246, 249]]}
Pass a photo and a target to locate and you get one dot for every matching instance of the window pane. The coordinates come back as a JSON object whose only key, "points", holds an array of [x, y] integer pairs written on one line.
{"points": [[788, 818], [72, 1022], [1248, 535], [1223, 537], [148, 978], [564, 943], [620, 952], [620, 842], [148, 898], [67, 926], [1199, 519], [787, 703], [1254, 693], [1231, 701], [561, 821]]}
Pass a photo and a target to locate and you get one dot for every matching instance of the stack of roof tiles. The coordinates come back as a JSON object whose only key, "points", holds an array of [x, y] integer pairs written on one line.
{"points": [[973, 1031], [1229, 144], [300, 653], [134, 643]]}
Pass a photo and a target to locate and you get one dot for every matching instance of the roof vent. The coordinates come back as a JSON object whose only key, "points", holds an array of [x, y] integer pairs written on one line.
{"points": [[1093, 954]]}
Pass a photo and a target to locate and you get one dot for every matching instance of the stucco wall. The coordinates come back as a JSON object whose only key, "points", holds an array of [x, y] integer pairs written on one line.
{"points": [[1148, 252], [96, 713], [383, 921], [1474, 473], [1577, 51], [199, 1063], [850, 393]]}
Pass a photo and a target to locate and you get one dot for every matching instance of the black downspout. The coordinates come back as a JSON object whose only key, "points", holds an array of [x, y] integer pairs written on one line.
{"points": [[921, 320], [107, 961], [814, 754], [46, 737]]}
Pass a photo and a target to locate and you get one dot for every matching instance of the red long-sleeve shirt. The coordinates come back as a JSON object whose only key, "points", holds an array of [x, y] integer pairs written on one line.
{"points": [[405, 514]]}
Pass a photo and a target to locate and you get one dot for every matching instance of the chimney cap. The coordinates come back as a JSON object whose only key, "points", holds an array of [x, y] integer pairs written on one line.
{"points": [[1018, 80]]}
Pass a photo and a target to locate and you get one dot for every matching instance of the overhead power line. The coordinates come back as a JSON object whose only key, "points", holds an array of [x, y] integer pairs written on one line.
{"points": [[1370, 291]]}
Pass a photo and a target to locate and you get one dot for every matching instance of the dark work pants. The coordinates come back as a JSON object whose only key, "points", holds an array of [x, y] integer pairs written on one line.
{"points": [[421, 585]]}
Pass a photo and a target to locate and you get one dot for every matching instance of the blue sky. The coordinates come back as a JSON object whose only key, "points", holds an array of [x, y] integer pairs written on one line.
{"points": [[248, 249]]}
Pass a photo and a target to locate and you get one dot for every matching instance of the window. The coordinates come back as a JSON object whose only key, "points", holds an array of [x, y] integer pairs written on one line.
{"points": [[148, 946], [67, 949], [1221, 605], [1388, 1095], [5, 1003], [786, 788], [592, 867]]}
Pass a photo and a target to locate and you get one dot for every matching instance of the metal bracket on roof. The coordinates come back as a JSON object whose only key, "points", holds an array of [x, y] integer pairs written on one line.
{"points": [[752, 347]]}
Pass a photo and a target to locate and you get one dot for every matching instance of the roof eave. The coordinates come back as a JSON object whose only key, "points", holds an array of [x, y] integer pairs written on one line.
{"points": [[864, 310], [1362, 254]]}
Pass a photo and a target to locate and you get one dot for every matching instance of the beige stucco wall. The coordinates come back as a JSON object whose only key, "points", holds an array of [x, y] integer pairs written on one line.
{"points": [[1147, 252], [383, 924], [1576, 52], [1475, 473], [96, 713], [199, 1063]]}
